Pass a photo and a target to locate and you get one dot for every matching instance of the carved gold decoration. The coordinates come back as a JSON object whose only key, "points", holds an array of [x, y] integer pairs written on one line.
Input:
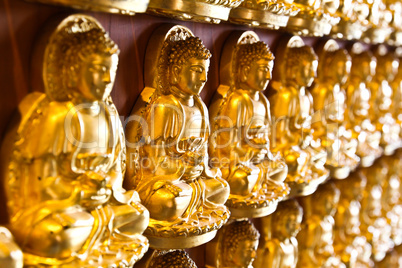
{"points": [[316, 234], [349, 243], [279, 247], [291, 108], [211, 11], [329, 99], [64, 179], [266, 13], [381, 101], [316, 17], [353, 19], [374, 225], [241, 122], [358, 106], [235, 246], [167, 139], [126, 7], [10, 253]]}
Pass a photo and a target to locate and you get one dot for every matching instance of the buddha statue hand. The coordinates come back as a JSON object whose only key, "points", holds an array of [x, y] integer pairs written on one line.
{"points": [[242, 179], [94, 189]]}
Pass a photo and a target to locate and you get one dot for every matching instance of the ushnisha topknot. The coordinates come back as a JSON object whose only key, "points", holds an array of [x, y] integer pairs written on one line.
{"points": [[248, 53], [183, 50]]}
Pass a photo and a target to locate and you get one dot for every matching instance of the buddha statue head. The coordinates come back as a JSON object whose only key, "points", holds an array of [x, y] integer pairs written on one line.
{"points": [[254, 66], [300, 66], [363, 66], [171, 259], [326, 200], [188, 64], [335, 66], [387, 64], [88, 67], [239, 244], [286, 221]]}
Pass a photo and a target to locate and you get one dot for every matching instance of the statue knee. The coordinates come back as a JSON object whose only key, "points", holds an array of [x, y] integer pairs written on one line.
{"points": [[58, 235], [217, 190], [240, 183], [169, 202], [130, 219]]}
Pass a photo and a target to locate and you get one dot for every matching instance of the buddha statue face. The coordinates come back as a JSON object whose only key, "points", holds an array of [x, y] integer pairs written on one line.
{"points": [[301, 64], [91, 69], [240, 244], [287, 219], [254, 67], [327, 196], [188, 66]]}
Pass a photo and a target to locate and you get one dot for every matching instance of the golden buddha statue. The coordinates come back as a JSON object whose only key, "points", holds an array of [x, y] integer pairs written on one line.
{"points": [[171, 259], [316, 17], [379, 20], [279, 247], [167, 139], [382, 99], [271, 14], [391, 196], [330, 102], [235, 246], [349, 243], [126, 7], [291, 108], [358, 105], [316, 234], [64, 179], [10, 253], [211, 11], [240, 122], [374, 225]]}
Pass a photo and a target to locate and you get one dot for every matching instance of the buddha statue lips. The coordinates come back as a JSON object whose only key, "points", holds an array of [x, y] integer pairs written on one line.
{"points": [[184, 196], [64, 179]]}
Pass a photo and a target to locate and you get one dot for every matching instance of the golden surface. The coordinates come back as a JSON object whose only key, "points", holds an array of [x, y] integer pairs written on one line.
{"points": [[64, 189], [167, 153], [329, 98], [235, 246], [291, 108], [349, 242], [316, 234], [126, 7], [241, 123], [358, 106], [10, 253], [211, 11], [279, 247], [263, 13]]}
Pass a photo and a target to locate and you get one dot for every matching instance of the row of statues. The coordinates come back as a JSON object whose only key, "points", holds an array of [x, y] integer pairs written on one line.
{"points": [[84, 191], [375, 21]]}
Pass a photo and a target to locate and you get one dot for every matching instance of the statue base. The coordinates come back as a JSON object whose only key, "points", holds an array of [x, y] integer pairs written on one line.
{"points": [[303, 25], [348, 30], [305, 187]]}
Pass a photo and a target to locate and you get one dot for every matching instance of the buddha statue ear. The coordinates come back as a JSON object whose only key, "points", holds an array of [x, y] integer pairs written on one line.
{"points": [[174, 76], [244, 71]]}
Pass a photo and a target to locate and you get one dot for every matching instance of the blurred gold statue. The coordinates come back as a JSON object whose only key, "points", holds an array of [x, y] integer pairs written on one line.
{"points": [[10, 253], [382, 99], [279, 246], [241, 122], [379, 22], [353, 19], [167, 140], [391, 196], [396, 86], [64, 179], [330, 102], [358, 106], [316, 235], [235, 246], [349, 243], [374, 225], [291, 108]]}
